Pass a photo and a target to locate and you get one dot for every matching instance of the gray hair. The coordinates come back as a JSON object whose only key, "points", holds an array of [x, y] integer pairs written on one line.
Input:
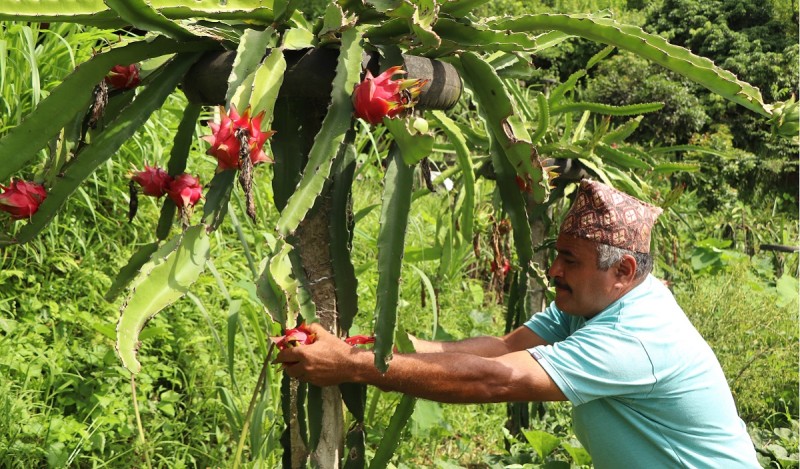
{"points": [[607, 256]]}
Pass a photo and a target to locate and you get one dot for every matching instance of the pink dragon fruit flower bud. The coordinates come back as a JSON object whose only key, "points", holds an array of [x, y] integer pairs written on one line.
{"points": [[225, 139], [185, 190], [154, 180], [21, 199], [123, 77], [378, 97], [301, 335]]}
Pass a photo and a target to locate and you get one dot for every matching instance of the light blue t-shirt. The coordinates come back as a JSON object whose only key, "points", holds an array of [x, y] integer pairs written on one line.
{"points": [[647, 390]]}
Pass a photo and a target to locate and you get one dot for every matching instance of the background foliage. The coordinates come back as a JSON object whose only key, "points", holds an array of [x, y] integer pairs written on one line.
{"points": [[65, 400]]}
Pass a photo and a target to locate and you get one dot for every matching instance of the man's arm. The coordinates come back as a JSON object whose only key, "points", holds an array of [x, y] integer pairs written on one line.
{"points": [[444, 377], [521, 338]]}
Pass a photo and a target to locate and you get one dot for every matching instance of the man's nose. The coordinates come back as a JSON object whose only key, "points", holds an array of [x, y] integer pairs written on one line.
{"points": [[555, 269]]}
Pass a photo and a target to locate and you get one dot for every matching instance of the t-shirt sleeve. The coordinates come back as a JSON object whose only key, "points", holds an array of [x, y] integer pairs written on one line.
{"points": [[551, 324], [594, 363]]}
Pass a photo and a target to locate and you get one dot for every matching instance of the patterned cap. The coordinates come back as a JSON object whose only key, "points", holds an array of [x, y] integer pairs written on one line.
{"points": [[608, 216]]}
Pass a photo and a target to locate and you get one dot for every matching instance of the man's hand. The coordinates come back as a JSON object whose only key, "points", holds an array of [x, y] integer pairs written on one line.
{"points": [[326, 362]]}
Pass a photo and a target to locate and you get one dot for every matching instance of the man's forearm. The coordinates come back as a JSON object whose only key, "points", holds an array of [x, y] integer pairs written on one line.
{"points": [[467, 380], [480, 346], [520, 339], [457, 377]]}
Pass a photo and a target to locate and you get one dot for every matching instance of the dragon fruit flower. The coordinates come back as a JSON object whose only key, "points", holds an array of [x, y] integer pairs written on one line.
{"points": [[301, 335], [21, 199], [378, 97], [154, 180], [225, 139], [185, 190], [123, 77]]}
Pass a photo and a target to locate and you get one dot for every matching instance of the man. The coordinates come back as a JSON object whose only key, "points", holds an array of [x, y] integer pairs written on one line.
{"points": [[647, 390]]}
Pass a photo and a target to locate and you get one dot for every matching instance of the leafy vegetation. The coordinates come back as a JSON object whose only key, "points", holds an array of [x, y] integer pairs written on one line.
{"points": [[67, 400]]}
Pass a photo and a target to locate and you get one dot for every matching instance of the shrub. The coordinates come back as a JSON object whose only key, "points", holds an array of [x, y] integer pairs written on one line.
{"points": [[752, 327]]}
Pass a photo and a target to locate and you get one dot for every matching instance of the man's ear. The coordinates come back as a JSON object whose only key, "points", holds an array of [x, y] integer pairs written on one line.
{"points": [[626, 269]]}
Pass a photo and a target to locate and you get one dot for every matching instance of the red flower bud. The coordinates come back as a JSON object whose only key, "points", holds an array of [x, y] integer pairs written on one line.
{"points": [[22, 199], [154, 180], [123, 77], [225, 143], [378, 97], [185, 190]]}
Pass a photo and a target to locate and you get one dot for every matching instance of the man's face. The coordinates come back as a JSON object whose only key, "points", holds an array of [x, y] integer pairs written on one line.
{"points": [[581, 288]]}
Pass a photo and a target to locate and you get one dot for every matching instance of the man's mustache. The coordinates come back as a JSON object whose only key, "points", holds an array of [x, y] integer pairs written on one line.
{"points": [[560, 284]]}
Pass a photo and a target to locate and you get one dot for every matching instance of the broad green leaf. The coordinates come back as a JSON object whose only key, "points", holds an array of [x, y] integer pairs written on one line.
{"points": [[326, 144], [621, 133], [97, 13], [514, 206], [475, 36], [543, 121], [283, 9], [650, 46], [333, 21], [558, 93], [297, 38], [607, 109], [72, 96], [107, 143], [396, 203], [579, 455], [217, 197], [314, 413], [266, 84], [543, 442], [276, 287], [422, 21], [403, 412], [673, 196], [598, 57], [355, 442], [127, 273], [163, 280], [141, 15], [252, 48], [341, 225], [427, 254], [460, 8], [511, 139], [391, 436], [620, 158], [413, 146], [786, 286], [427, 415], [459, 142]]}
